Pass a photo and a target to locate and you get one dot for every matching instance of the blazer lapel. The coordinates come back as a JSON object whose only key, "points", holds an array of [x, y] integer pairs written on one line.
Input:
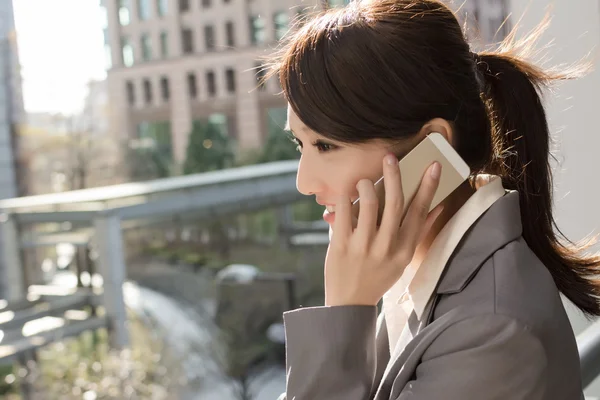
{"points": [[497, 227]]}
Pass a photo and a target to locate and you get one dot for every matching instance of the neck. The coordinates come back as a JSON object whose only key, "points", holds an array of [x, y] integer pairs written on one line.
{"points": [[451, 205]]}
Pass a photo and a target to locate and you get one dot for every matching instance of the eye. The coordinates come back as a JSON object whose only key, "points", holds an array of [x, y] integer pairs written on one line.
{"points": [[323, 147]]}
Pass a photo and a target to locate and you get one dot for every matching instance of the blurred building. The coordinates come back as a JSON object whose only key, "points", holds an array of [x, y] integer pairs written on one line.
{"points": [[11, 110], [171, 62], [11, 102]]}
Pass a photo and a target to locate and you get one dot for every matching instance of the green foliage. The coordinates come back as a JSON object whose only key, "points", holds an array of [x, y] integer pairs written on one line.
{"points": [[278, 147], [147, 163], [71, 368], [249, 157], [5, 371], [208, 149], [152, 158], [307, 210]]}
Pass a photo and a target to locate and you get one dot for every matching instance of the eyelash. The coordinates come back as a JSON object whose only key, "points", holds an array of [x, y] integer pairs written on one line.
{"points": [[321, 146]]}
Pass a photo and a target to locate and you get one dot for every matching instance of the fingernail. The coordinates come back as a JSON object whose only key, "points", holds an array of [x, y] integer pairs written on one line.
{"points": [[435, 170], [390, 159]]}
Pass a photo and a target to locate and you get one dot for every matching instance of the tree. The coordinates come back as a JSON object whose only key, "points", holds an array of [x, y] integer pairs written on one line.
{"points": [[64, 155], [278, 146], [151, 155], [146, 162], [208, 149]]}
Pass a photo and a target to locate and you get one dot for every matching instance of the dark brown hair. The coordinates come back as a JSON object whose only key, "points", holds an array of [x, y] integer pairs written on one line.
{"points": [[383, 68]]}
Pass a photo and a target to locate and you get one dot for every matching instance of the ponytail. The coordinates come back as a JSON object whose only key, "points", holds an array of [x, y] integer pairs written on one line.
{"points": [[521, 144]]}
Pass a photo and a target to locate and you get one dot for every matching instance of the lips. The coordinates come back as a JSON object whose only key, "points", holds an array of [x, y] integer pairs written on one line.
{"points": [[329, 217]]}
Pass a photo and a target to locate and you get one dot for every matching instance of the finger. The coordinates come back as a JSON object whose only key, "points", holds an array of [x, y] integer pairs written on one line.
{"points": [[369, 206], [417, 213], [342, 224], [394, 198], [431, 218]]}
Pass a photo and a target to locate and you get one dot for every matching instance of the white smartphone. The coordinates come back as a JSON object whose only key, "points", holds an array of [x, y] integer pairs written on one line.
{"points": [[413, 167]]}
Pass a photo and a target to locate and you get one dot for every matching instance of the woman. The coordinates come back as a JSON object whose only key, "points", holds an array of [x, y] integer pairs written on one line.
{"points": [[471, 306]]}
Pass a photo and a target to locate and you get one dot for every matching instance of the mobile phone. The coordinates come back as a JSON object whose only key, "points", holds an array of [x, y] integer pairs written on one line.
{"points": [[413, 167]]}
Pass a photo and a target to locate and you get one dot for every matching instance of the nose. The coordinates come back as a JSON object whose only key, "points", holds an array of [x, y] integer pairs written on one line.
{"points": [[308, 179]]}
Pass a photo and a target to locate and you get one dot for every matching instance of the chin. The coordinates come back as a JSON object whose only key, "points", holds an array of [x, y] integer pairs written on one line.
{"points": [[330, 232]]}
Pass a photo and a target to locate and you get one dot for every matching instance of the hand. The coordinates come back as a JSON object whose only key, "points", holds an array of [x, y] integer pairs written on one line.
{"points": [[363, 263]]}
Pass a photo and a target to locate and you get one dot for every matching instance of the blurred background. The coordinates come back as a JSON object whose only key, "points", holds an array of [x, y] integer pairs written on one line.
{"points": [[151, 233]]}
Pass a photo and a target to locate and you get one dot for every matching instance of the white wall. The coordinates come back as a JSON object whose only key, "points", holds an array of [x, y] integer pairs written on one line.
{"points": [[573, 112]]}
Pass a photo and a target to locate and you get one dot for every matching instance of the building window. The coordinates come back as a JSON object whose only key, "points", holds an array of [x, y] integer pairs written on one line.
{"points": [[192, 85], [260, 76], [184, 5], [211, 84], [230, 79], [106, 36], [163, 7], [206, 3], [127, 50], [130, 93], [124, 17], [146, 48], [164, 45], [164, 88], [107, 51], [209, 37], [144, 9], [187, 40], [229, 35], [219, 121], [281, 23], [147, 91], [158, 136], [257, 30]]}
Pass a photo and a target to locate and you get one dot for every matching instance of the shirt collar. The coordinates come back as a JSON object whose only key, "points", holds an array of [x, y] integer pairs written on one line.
{"points": [[425, 277]]}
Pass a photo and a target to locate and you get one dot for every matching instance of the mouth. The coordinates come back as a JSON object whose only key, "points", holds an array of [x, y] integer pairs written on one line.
{"points": [[329, 214]]}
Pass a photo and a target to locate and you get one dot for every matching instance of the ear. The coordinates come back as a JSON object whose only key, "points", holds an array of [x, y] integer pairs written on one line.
{"points": [[440, 126]]}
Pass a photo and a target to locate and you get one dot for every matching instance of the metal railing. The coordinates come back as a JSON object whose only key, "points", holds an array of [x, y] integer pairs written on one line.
{"points": [[104, 211]]}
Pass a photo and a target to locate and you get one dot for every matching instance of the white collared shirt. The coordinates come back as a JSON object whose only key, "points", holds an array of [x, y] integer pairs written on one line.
{"points": [[417, 284]]}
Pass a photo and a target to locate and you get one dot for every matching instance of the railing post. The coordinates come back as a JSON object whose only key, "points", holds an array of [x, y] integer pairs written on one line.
{"points": [[111, 265], [285, 223], [13, 277]]}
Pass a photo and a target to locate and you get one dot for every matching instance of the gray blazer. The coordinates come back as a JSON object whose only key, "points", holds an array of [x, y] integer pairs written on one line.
{"points": [[495, 328]]}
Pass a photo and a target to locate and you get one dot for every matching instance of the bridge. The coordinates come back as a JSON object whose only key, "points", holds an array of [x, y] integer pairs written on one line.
{"points": [[99, 216]]}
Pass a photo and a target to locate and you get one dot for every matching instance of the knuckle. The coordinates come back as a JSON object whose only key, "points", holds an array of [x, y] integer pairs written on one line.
{"points": [[403, 257], [364, 184], [367, 192], [384, 248]]}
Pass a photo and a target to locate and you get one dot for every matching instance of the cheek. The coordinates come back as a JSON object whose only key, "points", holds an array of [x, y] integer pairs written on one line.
{"points": [[354, 172]]}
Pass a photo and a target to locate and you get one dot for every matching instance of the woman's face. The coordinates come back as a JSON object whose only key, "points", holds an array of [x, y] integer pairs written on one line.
{"points": [[330, 169]]}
